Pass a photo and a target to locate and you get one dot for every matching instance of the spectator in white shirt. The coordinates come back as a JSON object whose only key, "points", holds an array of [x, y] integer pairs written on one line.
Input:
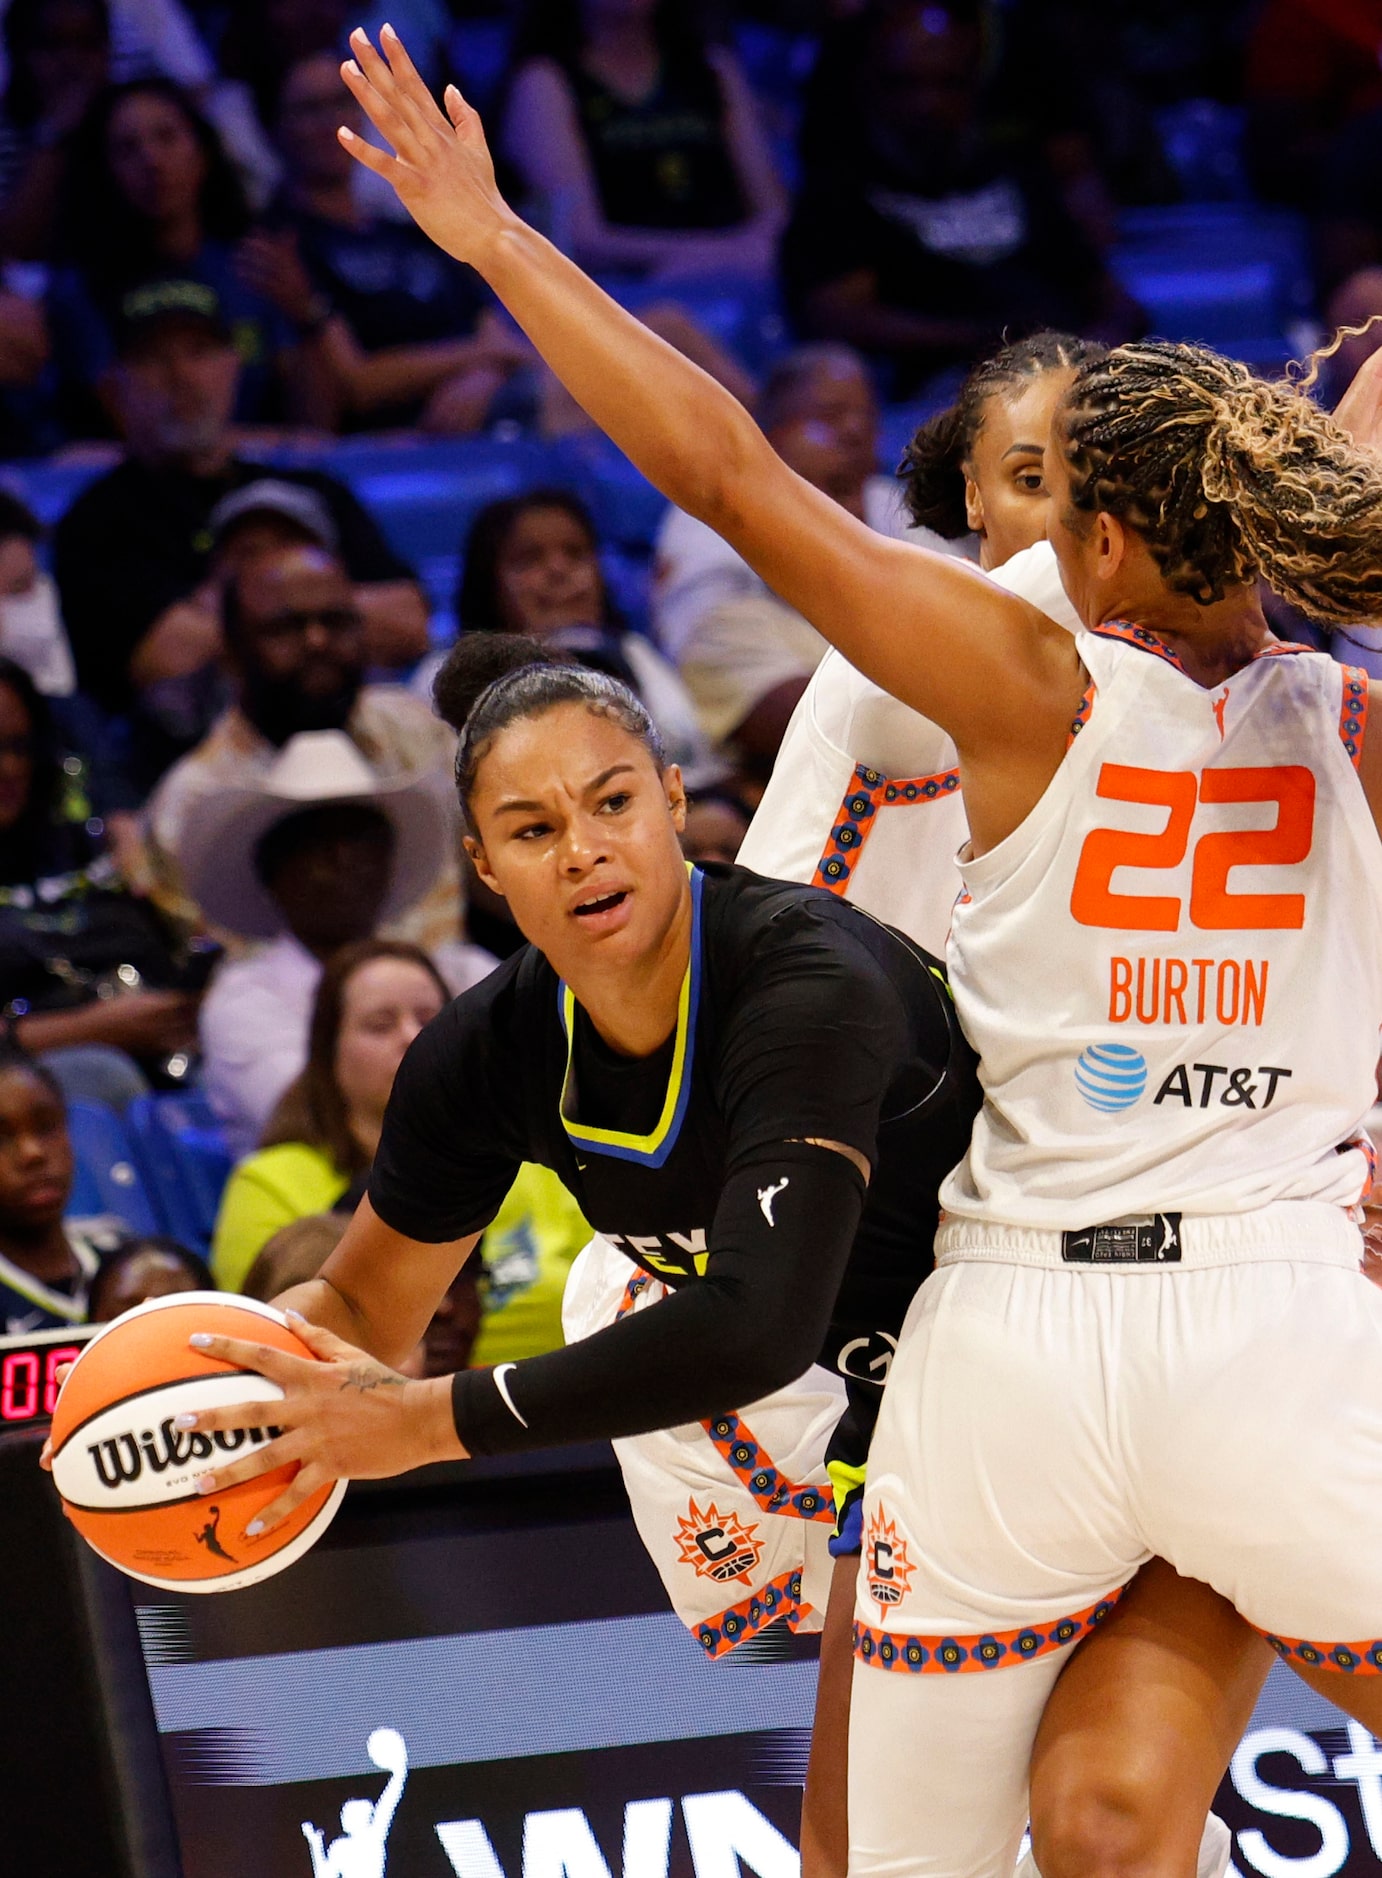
{"points": [[314, 856], [31, 628], [744, 655]]}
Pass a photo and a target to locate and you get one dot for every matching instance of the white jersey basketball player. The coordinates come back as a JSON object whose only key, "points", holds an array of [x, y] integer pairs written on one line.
{"points": [[1084, 1406], [865, 801]]}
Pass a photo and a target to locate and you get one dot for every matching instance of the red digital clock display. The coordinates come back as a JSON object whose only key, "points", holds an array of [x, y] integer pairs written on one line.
{"points": [[29, 1373]]}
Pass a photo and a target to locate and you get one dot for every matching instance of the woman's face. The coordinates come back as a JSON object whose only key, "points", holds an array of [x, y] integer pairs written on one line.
{"points": [[155, 159], [548, 574], [578, 831], [1006, 484], [313, 104], [35, 1154], [386, 1004], [16, 757]]}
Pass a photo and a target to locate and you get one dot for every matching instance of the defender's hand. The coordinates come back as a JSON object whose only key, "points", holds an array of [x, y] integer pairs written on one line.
{"points": [[441, 168]]}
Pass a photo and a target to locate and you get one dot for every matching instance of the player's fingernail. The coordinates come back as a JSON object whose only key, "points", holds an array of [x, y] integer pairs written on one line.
{"points": [[386, 28], [200, 1341], [296, 1316], [184, 1421], [206, 1483], [253, 1530]]}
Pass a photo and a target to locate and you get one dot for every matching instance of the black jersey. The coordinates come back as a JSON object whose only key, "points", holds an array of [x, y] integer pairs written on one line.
{"points": [[802, 1021]]}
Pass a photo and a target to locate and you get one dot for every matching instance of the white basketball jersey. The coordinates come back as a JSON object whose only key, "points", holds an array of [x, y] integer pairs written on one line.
{"points": [[1172, 969], [865, 794]]}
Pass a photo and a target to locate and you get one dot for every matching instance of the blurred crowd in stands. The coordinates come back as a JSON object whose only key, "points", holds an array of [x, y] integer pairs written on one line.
{"points": [[266, 451]]}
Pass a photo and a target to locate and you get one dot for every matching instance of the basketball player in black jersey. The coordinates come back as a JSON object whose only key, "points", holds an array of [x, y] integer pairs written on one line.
{"points": [[752, 1089]]}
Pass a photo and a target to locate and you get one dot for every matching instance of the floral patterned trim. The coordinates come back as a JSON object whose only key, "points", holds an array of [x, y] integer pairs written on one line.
{"points": [[1355, 1659], [1353, 712], [750, 1463], [754, 1468], [1081, 717], [869, 792], [932, 1655], [1138, 636], [779, 1599]]}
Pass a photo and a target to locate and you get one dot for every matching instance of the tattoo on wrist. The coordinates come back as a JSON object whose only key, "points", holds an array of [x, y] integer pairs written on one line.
{"points": [[363, 1377]]}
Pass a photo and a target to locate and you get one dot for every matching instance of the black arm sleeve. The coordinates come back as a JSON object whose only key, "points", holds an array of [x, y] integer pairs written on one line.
{"points": [[779, 1244]]}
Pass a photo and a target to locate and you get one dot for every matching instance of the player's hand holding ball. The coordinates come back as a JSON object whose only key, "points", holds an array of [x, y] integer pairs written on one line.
{"points": [[203, 1442], [341, 1416]]}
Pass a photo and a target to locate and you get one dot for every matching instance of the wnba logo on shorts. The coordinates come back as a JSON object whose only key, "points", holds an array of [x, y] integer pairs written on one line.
{"points": [[887, 1568], [718, 1545]]}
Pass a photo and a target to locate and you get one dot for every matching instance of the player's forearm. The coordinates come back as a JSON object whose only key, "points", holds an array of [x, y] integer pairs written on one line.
{"points": [[779, 1243], [321, 1303], [688, 435]]}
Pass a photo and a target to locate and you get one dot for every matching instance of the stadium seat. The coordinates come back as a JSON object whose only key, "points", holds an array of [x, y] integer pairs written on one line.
{"points": [[50, 489], [626, 507], [425, 498], [109, 1175], [1228, 274], [186, 1163]]}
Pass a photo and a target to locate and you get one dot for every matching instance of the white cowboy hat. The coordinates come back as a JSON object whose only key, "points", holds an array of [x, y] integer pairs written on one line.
{"points": [[220, 832]]}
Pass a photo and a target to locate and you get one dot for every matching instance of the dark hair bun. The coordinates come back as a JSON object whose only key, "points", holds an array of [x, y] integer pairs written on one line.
{"points": [[475, 662], [932, 472]]}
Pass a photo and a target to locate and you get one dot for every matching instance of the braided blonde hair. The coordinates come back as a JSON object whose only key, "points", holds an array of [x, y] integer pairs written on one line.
{"points": [[1227, 477]]}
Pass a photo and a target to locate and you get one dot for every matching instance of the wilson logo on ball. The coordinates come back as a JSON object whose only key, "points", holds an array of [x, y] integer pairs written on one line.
{"points": [[115, 1460], [120, 1458], [130, 1478]]}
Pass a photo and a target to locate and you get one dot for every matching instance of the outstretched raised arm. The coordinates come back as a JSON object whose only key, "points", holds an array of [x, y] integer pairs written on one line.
{"points": [[980, 662]]}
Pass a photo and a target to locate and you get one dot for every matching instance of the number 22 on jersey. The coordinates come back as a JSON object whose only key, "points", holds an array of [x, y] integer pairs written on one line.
{"points": [[1213, 907]]}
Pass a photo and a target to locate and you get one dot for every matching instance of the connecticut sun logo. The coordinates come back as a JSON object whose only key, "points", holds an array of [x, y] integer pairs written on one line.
{"points": [[717, 1544], [886, 1564]]}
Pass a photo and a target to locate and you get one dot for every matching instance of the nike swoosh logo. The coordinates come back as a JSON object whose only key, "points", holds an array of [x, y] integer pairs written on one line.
{"points": [[500, 1374]]}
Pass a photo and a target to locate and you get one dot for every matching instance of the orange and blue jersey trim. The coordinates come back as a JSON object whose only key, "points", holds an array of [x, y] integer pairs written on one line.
{"points": [[1149, 642], [755, 1470], [1354, 1659], [745, 1456], [780, 1599], [1081, 717], [1140, 637], [949, 1656], [653, 1148], [1353, 712], [869, 792]]}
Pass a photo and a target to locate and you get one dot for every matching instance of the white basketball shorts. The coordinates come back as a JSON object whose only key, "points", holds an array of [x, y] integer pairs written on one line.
{"points": [[1049, 1426], [736, 1513]]}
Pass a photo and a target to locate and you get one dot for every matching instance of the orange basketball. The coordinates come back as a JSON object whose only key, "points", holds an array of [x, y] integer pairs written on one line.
{"points": [[128, 1477]]}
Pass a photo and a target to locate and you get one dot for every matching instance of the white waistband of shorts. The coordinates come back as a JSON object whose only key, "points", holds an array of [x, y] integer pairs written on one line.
{"points": [[1306, 1231]]}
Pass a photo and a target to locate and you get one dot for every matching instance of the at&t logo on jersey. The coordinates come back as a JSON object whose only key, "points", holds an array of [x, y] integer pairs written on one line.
{"points": [[717, 1545], [887, 1567], [1111, 1076]]}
